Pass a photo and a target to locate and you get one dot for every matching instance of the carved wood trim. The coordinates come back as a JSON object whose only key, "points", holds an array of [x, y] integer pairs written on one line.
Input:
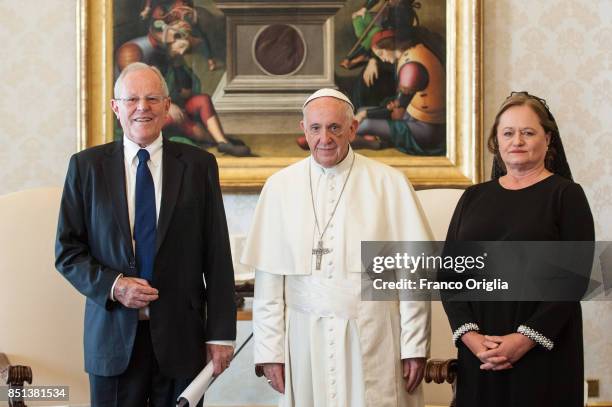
{"points": [[440, 371], [14, 376]]}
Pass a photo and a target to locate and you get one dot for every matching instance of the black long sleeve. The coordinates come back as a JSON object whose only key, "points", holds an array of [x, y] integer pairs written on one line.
{"points": [[575, 223], [459, 313], [554, 209]]}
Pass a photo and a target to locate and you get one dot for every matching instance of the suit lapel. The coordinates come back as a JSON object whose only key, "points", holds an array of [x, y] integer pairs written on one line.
{"points": [[113, 169], [172, 179]]}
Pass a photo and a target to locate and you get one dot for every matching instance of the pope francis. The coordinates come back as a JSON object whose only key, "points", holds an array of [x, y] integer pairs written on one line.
{"points": [[315, 341]]}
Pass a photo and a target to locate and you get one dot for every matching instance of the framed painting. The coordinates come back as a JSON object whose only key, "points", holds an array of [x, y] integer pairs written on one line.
{"points": [[238, 72]]}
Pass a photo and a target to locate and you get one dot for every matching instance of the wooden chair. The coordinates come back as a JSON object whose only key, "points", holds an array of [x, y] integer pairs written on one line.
{"points": [[43, 326], [442, 371], [14, 377], [439, 205], [50, 342]]}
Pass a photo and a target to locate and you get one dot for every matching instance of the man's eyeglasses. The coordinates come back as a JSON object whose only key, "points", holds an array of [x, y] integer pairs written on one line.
{"points": [[151, 100]]}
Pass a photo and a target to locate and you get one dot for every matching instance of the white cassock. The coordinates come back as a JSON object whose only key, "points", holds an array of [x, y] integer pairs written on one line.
{"points": [[337, 349]]}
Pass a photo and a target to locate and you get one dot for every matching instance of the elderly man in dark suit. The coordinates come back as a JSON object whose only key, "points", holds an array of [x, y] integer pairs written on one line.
{"points": [[142, 234]]}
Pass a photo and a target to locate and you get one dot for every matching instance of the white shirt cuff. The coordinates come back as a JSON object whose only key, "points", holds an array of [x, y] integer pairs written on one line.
{"points": [[112, 295], [226, 343]]}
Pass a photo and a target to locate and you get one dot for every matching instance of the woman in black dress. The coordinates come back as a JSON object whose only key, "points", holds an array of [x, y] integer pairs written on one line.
{"points": [[521, 353]]}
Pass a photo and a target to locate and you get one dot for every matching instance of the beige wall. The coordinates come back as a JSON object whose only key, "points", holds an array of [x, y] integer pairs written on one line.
{"points": [[38, 88], [560, 50], [557, 49]]}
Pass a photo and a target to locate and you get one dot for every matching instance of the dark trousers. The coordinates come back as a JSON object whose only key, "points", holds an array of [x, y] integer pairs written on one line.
{"points": [[142, 384]]}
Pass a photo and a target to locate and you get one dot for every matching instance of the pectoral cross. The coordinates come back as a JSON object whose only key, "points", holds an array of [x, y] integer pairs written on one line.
{"points": [[319, 252]]}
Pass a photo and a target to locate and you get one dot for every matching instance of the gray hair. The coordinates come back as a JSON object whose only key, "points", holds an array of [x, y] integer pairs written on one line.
{"points": [[139, 66], [348, 110]]}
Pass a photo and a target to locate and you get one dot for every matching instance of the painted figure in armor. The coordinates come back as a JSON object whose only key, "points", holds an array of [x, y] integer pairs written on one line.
{"points": [[414, 121]]}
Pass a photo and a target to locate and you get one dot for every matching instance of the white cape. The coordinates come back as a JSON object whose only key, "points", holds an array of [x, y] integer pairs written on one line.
{"points": [[383, 207]]}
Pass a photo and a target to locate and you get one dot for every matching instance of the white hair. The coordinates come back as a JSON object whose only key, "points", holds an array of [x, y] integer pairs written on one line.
{"points": [[139, 66]]}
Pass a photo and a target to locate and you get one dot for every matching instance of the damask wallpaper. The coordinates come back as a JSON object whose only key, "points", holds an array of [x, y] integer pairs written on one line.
{"points": [[38, 87], [557, 49], [560, 50]]}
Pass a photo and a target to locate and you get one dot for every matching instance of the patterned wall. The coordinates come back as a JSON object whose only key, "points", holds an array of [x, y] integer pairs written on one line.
{"points": [[38, 88], [557, 49], [560, 50]]}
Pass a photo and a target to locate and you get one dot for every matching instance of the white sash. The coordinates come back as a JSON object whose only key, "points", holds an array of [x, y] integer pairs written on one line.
{"points": [[324, 297]]}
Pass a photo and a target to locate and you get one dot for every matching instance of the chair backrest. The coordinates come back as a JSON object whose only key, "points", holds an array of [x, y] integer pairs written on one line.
{"points": [[439, 205], [41, 315]]}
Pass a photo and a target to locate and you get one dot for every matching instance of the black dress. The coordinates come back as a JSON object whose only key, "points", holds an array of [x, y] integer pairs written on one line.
{"points": [[552, 209]]}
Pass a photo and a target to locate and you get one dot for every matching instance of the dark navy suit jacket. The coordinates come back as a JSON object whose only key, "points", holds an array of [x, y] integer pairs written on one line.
{"points": [[94, 245]]}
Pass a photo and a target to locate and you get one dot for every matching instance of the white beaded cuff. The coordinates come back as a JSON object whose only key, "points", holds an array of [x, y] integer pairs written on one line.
{"points": [[536, 337], [467, 327]]}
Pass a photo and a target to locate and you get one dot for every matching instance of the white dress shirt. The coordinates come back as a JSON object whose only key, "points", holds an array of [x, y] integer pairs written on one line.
{"points": [[130, 151], [155, 163]]}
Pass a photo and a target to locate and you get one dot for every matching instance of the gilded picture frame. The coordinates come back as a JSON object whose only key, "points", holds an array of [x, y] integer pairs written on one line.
{"points": [[461, 166]]}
